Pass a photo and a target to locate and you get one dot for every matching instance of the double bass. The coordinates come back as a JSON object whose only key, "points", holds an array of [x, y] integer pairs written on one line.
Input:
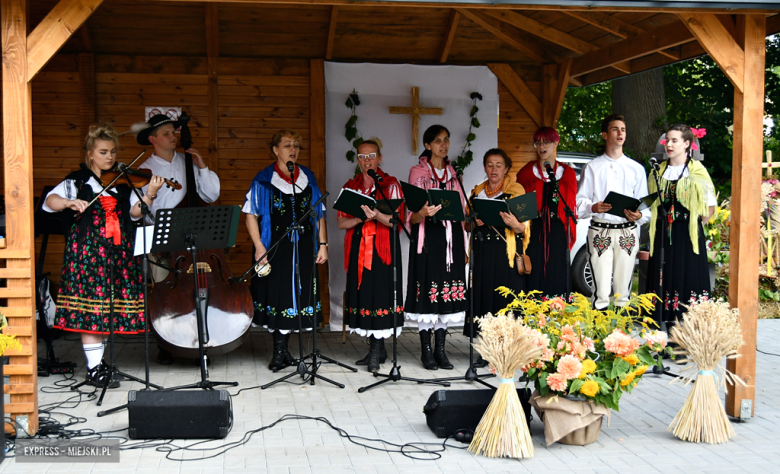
{"points": [[229, 308]]}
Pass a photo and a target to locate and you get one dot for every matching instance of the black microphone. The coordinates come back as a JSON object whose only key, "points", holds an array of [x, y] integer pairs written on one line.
{"points": [[121, 166], [290, 166], [457, 169], [550, 172], [375, 176], [654, 163]]}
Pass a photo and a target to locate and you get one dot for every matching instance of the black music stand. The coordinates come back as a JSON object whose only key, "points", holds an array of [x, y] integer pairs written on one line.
{"points": [[211, 227]]}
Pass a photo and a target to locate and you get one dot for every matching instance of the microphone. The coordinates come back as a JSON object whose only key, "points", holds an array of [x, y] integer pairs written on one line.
{"points": [[121, 166], [375, 176], [550, 172], [654, 163], [290, 166], [457, 169]]}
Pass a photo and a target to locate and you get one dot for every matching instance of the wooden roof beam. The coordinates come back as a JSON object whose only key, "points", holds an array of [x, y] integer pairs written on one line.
{"points": [[334, 16], [616, 26], [519, 90], [719, 44], [526, 47], [48, 37], [449, 36], [641, 45]]}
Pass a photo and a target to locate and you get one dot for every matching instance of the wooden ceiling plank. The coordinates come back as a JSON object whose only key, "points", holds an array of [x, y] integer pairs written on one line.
{"points": [[641, 45], [519, 90], [334, 15], [542, 31], [719, 44], [449, 37], [533, 51], [53, 31]]}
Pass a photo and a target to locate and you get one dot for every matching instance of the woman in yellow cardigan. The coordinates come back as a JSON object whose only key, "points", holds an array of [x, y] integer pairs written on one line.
{"points": [[494, 249]]}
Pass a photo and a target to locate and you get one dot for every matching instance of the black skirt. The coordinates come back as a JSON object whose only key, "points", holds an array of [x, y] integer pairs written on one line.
{"points": [[274, 296], [432, 288], [550, 269], [686, 275], [492, 270], [370, 307]]}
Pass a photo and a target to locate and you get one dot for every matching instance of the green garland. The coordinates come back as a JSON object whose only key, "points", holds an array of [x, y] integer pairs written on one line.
{"points": [[466, 155], [350, 128]]}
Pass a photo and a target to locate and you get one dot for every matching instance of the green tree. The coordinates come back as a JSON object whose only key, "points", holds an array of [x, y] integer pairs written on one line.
{"points": [[581, 115]]}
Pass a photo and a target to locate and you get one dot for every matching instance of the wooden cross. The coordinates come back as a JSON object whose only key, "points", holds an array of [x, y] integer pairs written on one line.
{"points": [[768, 164], [415, 110]]}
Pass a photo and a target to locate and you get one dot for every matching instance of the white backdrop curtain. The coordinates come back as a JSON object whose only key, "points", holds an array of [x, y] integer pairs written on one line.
{"points": [[381, 86]]}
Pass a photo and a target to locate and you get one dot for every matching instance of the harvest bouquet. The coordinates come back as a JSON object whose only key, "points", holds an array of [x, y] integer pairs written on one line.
{"points": [[591, 353]]}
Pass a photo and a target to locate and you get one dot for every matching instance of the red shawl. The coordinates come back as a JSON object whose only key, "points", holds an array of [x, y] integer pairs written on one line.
{"points": [[374, 234], [567, 186]]}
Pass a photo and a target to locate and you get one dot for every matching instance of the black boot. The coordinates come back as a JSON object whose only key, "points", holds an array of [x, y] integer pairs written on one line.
{"points": [[480, 363], [382, 355], [438, 351], [97, 376], [280, 346], [427, 354], [373, 355], [288, 357]]}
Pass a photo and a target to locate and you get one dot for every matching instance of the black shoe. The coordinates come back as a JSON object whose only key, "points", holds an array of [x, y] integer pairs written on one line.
{"points": [[164, 357], [288, 357], [382, 355], [373, 355], [280, 346], [438, 351], [97, 376], [480, 363], [427, 353]]}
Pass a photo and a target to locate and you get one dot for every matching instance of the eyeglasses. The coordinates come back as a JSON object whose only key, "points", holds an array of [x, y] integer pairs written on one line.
{"points": [[369, 156], [542, 144]]}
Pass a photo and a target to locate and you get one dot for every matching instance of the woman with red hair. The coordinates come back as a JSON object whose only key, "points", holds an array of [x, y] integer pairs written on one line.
{"points": [[552, 233]]}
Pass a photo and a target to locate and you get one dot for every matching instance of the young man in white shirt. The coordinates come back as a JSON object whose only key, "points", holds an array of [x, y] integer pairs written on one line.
{"points": [[613, 241], [159, 132]]}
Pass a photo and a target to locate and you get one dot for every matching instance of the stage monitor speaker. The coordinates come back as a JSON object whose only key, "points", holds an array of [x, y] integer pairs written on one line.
{"points": [[185, 414], [449, 410]]}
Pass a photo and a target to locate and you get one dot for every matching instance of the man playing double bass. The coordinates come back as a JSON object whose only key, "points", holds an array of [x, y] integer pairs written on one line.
{"points": [[159, 132]]}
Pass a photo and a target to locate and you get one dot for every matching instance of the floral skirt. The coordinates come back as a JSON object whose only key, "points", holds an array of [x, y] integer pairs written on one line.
{"points": [[435, 288], [84, 300], [369, 308]]}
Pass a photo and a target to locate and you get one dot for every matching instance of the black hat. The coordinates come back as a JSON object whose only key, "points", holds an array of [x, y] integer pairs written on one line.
{"points": [[142, 136]]}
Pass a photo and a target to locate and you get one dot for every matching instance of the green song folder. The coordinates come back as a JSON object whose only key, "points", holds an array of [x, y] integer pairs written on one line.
{"points": [[451, 207], [523, 207], [350, 202], [621, 202]]}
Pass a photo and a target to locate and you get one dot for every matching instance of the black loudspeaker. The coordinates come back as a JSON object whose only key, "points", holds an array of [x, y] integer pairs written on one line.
{"points": [[449, 410], [192, 414]]}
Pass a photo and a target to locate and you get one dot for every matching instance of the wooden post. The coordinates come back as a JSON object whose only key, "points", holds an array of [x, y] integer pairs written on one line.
{"points": [[212, 51], [745, 204], [20, 252]]}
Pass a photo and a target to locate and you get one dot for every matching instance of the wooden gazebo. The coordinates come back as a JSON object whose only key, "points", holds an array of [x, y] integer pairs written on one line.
{"points": [[245, 68]]}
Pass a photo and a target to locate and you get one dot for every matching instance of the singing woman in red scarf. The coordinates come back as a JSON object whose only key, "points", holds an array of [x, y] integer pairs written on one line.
{"points": [[368, 260], [100, 234], [552, 233]]}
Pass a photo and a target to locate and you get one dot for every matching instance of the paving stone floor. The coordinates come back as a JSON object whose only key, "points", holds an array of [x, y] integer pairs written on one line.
{"points": [[636, 441]]}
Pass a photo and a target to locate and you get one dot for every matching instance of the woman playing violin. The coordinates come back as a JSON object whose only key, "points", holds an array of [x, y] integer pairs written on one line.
{"points": [[100, 234]]}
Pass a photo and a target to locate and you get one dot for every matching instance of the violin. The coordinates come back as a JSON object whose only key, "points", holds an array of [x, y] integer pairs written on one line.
{"points": [[134, 178]]}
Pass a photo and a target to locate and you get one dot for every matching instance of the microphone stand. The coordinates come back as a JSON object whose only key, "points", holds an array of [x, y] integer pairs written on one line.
{"points": [[666, 233], [395, 371], [471, 374], [569, 214]]}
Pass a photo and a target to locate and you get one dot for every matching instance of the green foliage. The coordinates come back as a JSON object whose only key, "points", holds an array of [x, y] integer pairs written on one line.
{"points": [[580, 124], [768, 295], [350, 128], [466, 155]]}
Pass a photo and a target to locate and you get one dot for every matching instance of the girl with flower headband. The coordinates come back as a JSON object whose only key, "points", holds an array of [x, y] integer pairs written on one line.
{"points": [[687, 194]]}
